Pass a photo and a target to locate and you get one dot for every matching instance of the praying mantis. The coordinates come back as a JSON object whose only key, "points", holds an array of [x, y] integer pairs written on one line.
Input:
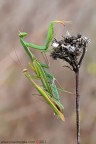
{"points": [[49, 90]]}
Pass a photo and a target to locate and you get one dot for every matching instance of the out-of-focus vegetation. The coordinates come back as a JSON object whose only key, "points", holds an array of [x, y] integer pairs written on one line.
{"points": [[27, 117], [91, 68]]}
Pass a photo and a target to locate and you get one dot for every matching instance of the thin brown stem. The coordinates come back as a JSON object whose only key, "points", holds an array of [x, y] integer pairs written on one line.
{"points": [[82, 56], [77, 106]]}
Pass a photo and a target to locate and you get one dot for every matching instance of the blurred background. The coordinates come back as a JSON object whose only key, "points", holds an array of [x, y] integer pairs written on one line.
{"points": [[27, 117]]}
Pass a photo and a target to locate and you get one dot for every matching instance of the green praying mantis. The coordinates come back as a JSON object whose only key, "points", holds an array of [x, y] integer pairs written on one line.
{"points": [[48, 90]]}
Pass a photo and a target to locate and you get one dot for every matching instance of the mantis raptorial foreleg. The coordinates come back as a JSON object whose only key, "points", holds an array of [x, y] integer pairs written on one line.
{"points": [[48, 38]]}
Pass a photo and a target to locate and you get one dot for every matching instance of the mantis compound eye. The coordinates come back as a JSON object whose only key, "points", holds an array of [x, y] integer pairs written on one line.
{"points": [[22, 34]]}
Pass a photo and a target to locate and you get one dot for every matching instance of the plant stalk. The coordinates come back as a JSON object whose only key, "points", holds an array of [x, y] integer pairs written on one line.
{"points": [[77, 107]]}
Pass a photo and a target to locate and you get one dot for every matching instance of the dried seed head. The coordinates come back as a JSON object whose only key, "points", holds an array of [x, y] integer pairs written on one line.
{"points": [[69, 48]]}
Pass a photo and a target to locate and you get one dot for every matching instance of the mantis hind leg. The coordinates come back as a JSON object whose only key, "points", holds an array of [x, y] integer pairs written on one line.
{"points": [[45, 58]]}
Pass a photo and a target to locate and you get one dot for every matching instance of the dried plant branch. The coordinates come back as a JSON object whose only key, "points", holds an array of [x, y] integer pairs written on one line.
{"points": [[72, 50]]}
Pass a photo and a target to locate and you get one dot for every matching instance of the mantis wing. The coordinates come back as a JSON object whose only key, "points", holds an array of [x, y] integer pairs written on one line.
{"points": [[45, 96]]}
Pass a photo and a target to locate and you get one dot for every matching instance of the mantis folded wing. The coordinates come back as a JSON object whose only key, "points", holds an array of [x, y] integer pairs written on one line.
{"points": [[45, 95]]}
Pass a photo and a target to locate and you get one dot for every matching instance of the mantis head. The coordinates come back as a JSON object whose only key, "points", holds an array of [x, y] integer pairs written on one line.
{"points": [[22, 34]]}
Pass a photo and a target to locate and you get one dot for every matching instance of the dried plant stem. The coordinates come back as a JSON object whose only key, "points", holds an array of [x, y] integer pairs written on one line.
{"points": [[77, 106], [72, 49]]}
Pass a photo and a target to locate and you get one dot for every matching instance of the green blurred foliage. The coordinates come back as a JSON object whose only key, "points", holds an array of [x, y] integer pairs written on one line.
{"points": [[91, 68]]}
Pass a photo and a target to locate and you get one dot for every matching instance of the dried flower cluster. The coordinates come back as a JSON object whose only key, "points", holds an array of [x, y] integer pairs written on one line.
{"points": [[71, 49]]}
